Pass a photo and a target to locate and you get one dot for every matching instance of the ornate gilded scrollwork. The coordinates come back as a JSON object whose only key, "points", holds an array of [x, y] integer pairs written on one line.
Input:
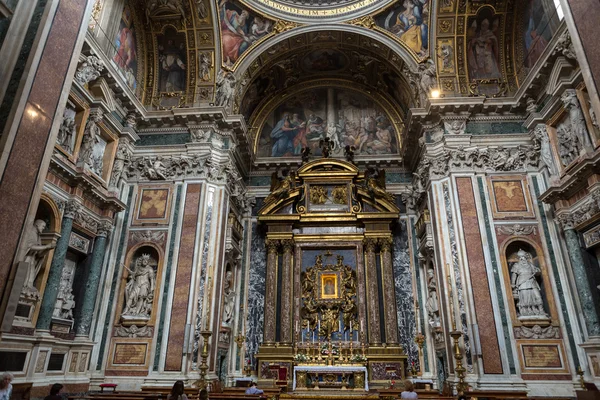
{"points": [[328, 293]]}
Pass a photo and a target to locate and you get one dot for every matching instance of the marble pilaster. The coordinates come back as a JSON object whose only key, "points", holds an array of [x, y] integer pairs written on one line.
{"points": [[372, 292], [581, 279], [391, 323], [56, 268], [257, 270], [286, 291], [270, 291], [88, 300]]}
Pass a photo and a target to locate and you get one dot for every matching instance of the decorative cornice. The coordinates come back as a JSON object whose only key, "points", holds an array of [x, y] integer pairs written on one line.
{"points": [[104, 228]]}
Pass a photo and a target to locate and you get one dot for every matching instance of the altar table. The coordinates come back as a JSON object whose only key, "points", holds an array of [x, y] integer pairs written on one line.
{"points": [[358, 372]]}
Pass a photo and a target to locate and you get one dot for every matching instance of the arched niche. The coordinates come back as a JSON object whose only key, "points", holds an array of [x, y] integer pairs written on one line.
{"points": [[527, 283], [140, 285]]}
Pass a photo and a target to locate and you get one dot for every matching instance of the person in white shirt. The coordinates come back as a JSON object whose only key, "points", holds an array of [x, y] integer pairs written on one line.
{"points": [[409, 391], [253, 389], [5, 386]]}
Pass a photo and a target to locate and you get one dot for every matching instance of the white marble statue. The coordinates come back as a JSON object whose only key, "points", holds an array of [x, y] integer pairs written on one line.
{"points": [[432, 303], [204, 66], [428, 79], [456, 127], [34, 256], [139, 291], [89, 70], [526, 289], [225, 88], [578, 126], [569, 146], [228, 299], [121, 159], [65, 301], [541, 135], [91, 138], [67, 130]]}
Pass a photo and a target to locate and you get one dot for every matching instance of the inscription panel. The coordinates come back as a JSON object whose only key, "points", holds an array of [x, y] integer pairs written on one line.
{"points": [[130, 354]]}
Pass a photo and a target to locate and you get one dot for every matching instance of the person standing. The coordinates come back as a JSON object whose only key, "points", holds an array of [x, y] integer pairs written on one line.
{"points": [[5, 386], [55, 392]]}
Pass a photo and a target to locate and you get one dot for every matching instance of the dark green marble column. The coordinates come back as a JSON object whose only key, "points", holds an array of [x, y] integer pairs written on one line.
{"points": [[88, 300], [56, 268], [581, 278]]}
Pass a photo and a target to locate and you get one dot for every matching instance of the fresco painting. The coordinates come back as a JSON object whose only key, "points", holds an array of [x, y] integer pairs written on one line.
{"points": [[408, 21], [483, 46], [125, 44], [540, 23], [303, 120], [172, 71], [240, 29]]}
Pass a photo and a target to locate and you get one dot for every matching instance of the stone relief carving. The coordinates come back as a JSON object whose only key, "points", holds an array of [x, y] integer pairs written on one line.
{"points": [[202, 9], [226, 84], [65, 301], [537, 332], [122, 158], [228, 299], [565, 46], [148, 236], [89, 70], [540, 137], [139, 291], [34, 256], [200, 135], [517, 230], [456, 127], [131, 120], [91, 138], [525, 286], [133, 331], [68, 130], [474, 159], [578, 126], [583, 211]]}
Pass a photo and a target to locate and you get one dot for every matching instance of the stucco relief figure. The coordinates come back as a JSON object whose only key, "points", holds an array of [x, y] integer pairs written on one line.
{"points": [[229, 299], [483, 51], [525, 286], [541, 135], [34, 256], [139, 291], [578, 127]]}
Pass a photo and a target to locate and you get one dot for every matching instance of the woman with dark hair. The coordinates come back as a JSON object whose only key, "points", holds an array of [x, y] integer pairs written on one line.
{"points": [[177, 392], [55, 392], [409, 391]]}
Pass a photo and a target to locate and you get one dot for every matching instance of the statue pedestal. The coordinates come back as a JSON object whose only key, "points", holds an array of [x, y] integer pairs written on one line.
{"points": [[137, 320], [60, 325]]}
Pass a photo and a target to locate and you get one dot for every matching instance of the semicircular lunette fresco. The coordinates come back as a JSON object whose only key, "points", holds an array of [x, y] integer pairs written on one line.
{"points": [[345, 116]]}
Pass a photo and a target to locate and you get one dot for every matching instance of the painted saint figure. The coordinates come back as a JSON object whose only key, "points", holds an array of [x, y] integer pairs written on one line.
{"points": [[173, 68], [283, 137], [526, 289], [484, 52]]}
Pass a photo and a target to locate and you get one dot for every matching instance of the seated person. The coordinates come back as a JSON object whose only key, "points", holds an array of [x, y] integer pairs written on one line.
{"points": [[253, 389], [409, 391]]}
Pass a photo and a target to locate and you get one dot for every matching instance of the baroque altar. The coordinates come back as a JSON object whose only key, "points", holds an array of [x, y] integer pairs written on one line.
{"points": [[329, 317]]}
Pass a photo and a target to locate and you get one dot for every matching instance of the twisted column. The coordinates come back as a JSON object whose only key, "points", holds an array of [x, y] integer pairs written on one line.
{"points": [[270, 291], [286, 291], [372, 291], [88, 302], [56, 268], [389, 297]]}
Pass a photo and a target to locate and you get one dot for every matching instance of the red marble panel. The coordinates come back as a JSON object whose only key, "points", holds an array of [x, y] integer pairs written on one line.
{"points": [[492, 362], [23, 164], [585, 13], [509, 196], [183, 277]]}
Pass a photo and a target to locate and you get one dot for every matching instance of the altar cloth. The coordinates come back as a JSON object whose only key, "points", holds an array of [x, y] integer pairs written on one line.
{"points": [[331, 369]]}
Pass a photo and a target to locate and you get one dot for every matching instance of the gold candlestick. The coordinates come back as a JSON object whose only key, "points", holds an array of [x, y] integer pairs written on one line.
{"points": [[204, 355], [460, 370], [581, 380]]}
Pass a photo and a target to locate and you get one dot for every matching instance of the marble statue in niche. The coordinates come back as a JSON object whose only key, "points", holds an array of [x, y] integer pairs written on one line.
{"points": [[122, 158], [139, 291], [526, 289], [68, 130], [93, 145], [578, 126], [65, 301], [228, 299], [569, 146], [226, 83], [432, 303], [34, 256]]}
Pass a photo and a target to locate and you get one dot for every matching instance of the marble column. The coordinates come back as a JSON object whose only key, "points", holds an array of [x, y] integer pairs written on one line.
{"points": [[580, 275], [270, 291], [286, 291], [389, 299], [88, 301], [56, 268], [372, 292]]}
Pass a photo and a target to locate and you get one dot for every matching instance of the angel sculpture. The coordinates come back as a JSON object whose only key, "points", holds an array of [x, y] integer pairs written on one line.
{"points": [[280, 187], [375, 183], [349, 153], [305, 154], [326, 146]]}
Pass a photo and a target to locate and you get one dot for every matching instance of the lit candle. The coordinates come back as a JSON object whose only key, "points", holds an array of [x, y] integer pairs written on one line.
{"points": [[362, 328], [313, 337], [302, 334], [340, 325], [350, 326]]}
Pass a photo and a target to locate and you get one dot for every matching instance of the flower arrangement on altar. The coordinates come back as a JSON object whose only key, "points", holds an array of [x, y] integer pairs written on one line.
{"points": [[358, 358], [326, 348], [301, 357]]}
